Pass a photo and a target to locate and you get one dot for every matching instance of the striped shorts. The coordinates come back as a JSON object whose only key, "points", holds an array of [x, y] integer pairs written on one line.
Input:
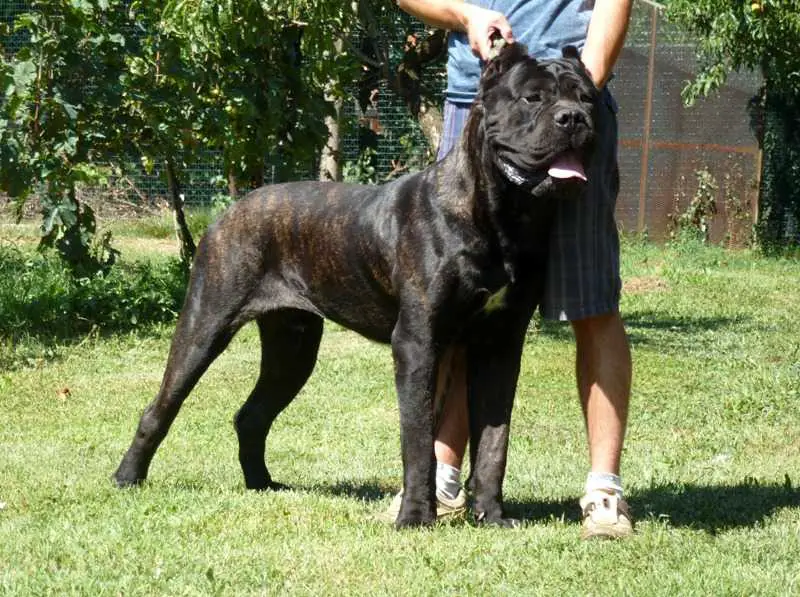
{"points": [[583, 270]]}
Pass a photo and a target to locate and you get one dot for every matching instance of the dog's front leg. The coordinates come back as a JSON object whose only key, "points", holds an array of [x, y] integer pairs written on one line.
{"points": [[415, 378], [493, 359]]}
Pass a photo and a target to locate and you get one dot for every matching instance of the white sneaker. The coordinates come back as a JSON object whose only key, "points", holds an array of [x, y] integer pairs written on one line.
{"points": [[605, 516]]}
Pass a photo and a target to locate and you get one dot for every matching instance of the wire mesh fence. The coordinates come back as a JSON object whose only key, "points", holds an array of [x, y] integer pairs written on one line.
{"points": [[665, 147], [381, 123], [9, 9]]}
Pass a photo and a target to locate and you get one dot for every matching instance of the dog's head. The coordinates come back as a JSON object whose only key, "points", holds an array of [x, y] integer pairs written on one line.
{"points": [[536, 118]]}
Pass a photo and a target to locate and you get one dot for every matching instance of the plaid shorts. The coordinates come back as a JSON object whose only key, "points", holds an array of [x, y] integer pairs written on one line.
{"points": [[583, 270]]}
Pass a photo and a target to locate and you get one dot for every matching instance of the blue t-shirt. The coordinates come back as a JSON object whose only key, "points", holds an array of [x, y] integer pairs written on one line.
{"points": [[545, 26]]}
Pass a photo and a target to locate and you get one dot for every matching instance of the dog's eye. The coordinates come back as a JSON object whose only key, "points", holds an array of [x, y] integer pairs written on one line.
{"points": [[586, 98], [532, 98]]}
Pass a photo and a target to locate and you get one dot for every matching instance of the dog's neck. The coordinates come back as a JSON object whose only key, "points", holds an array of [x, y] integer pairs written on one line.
{"points": [[511, 206]]}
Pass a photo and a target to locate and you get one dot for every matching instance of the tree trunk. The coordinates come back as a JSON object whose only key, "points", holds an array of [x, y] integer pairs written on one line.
{"points": [[233, 187], [330, 166], [181, 228], [779, 203], [431, 123]]}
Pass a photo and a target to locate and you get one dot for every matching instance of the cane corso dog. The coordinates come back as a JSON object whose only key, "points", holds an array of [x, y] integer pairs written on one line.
{"points": [[452, 255]]}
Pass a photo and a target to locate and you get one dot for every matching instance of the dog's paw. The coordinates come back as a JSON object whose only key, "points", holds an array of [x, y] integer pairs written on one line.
{"points": [[123, 479], [482, 519], [266, 485], [414, 517]]}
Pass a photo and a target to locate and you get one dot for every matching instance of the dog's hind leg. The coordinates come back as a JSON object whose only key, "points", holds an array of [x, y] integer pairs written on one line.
{"points": [[200, 337], [289, 343]]}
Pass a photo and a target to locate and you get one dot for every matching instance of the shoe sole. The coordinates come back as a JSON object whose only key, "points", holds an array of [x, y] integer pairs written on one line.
{"points": [[605, 533], [441, 515]]}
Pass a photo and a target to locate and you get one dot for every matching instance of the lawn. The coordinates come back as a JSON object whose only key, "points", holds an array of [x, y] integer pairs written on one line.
{"points": [[711, 465]]}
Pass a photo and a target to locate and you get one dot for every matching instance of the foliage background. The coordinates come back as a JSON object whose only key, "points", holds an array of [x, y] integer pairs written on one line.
{"points": [[200, 100]]}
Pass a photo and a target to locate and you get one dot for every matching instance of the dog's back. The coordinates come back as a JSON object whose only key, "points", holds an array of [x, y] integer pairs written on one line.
{"points": [[324, 247]]}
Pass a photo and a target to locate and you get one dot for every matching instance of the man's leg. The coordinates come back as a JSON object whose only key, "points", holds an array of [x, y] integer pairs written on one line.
{"points": [[603, 371], [452, 432]]}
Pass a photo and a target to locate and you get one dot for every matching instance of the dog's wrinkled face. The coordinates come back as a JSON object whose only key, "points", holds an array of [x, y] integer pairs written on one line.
{"points": [[538, 116]]}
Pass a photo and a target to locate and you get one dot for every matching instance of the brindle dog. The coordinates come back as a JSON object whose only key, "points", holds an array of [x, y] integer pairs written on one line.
{"points": [[454, 254]]}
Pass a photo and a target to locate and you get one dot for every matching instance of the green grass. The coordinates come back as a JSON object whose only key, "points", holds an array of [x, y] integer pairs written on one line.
{"points": [[711, 465]]}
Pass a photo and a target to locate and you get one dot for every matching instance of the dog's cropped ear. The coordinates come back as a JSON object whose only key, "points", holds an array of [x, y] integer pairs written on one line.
{"points": [[507, 56], [571, 52]]}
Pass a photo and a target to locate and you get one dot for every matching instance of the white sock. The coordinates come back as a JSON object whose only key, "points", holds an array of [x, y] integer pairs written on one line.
{"points": [[604, 482], [448, 479]]}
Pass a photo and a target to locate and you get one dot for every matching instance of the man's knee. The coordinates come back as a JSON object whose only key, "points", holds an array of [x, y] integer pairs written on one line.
{"points": [[598, 327]]}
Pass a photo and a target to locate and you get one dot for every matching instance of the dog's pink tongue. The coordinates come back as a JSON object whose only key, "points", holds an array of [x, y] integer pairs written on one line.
{"points": [[567, 166]]}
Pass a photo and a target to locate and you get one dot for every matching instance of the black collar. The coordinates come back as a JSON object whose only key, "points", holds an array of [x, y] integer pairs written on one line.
{"points": [[517, 177], [535, 184]]}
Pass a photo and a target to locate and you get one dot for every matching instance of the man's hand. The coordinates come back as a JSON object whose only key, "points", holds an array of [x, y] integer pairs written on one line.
{"points": [[481, 24]]}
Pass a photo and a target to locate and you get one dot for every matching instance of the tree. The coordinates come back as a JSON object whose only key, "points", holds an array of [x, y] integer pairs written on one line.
{"points": [[261, 71], [101, 82], [54, 122], [106, 83], [732, 35]]}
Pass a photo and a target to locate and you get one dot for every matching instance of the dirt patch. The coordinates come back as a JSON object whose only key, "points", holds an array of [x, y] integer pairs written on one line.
{"points": [[644, 284], [112, 204]]}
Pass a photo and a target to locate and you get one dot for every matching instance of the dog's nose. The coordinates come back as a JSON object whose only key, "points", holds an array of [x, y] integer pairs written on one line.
{"points": [[569, 119]]}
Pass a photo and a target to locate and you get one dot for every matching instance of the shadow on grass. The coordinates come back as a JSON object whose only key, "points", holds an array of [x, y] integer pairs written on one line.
{"points": [[365, 492], [640, 323], [711, 508], [715, 508], [641, 326]]}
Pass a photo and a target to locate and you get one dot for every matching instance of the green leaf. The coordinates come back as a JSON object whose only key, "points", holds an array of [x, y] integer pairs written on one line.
{"points": [[70, 110], [24, 74], [84, 6], [66, 148]]}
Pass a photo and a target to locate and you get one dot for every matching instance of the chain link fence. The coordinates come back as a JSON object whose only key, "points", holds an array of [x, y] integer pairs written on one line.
{"points": [[377, 119]]}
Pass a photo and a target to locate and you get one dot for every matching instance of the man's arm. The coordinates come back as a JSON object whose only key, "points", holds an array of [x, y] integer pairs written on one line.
{"points": [[605, 38], [455, 15]]}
